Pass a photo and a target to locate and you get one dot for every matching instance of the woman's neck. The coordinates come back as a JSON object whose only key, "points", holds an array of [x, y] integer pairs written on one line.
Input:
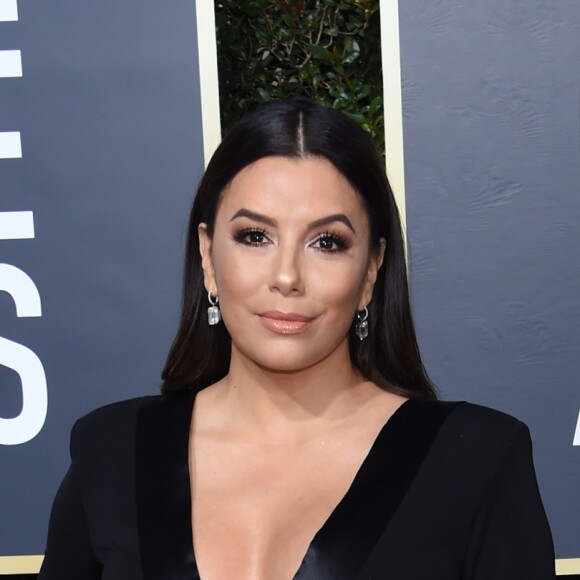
{"points": [[284, 404]]}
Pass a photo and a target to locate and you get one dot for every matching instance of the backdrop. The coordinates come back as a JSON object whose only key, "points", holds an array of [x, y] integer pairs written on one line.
{"points": [[106, 113], [100, 150], [491, 132]]}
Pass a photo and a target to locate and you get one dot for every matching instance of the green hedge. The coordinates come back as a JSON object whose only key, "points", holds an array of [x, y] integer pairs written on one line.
{"points": [[326, 50]]}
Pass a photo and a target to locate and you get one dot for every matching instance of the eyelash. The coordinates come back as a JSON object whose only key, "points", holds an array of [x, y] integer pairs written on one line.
{"points": [[241, 237], [339, 241], [336, 239]]}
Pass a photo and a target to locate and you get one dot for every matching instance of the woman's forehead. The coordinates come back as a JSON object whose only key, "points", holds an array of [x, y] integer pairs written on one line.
{"points": [[292, 185]]}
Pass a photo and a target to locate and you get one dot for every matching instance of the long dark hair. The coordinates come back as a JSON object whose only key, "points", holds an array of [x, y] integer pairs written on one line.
{"points": [[200, 354]]}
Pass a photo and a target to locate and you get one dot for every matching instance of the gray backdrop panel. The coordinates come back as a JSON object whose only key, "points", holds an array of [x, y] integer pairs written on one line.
{"points": [[109, 112], [490, 101]]}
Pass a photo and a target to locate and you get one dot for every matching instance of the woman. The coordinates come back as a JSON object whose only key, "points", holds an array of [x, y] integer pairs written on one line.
{"points": [[298, 435]]}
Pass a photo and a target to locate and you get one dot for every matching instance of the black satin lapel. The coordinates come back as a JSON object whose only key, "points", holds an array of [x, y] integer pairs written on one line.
{"points": [[345, 541], [163, 488]]}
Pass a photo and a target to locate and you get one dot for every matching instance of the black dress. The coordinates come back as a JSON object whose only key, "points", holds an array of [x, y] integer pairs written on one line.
{"points": [[447, 492]]}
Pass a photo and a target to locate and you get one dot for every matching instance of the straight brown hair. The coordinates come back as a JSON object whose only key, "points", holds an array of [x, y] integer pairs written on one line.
{"points": [[390, 357]]}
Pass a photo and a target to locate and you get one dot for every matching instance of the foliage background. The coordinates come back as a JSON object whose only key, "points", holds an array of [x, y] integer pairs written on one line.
{"points": [[326, 50]]}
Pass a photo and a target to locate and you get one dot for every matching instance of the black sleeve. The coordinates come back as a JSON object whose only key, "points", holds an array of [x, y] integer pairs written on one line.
{"points": [[511, 537], [69, 555]]}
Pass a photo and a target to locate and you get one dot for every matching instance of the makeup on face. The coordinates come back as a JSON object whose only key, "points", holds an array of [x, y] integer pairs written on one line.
{"points": [[290, 261]]}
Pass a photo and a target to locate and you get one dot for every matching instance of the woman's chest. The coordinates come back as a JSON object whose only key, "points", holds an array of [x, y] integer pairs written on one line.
{"points": [[256, 510]]}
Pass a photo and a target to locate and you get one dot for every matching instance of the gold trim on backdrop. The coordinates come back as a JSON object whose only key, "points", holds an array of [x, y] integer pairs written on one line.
{"points": [[393, 107], [20, 564], [31, 565], [208, 77], [567, 566]]}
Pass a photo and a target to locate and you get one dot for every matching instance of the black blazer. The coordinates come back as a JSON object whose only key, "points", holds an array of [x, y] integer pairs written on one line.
{"points": [[447, 492]]}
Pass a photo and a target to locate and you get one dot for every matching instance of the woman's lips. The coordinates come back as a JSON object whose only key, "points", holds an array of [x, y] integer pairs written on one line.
{"points": [[285, 323]]}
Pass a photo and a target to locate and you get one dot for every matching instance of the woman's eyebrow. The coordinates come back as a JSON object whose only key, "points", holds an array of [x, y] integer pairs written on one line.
{"points": [[335, 217], [258, 217]]}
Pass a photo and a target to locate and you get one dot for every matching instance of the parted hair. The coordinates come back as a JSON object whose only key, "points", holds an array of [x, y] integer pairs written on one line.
{"points": [[390, 357]]}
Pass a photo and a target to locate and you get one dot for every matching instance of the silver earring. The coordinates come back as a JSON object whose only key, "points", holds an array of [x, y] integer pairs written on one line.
{"points": [[361, 327], [213, 312]]}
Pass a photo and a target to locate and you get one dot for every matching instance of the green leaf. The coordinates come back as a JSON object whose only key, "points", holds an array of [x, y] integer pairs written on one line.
{"points": [[288, 20], [352, 50], [331, 31], [375, 105], [268, 49], [263, 94], [321, 52], [251, 9]]}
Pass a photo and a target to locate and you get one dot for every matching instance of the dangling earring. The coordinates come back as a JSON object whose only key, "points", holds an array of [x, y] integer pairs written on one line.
{"points": [[213, 312], [361, 327]]}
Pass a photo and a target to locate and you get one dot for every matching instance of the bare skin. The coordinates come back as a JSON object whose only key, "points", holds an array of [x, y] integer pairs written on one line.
{"points": [[276, 444]]}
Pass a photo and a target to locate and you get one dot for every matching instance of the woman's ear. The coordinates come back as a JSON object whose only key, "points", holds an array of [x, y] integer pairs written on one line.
{"points": [[375, 263], [205, 247]]}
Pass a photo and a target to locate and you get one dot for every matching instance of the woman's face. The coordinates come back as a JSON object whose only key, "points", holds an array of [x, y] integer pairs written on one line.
{"points": [[290, 261]]}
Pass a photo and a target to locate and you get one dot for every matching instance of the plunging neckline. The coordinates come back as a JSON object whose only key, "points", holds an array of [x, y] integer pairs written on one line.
{"points": [[344, 498], [342, 543]]}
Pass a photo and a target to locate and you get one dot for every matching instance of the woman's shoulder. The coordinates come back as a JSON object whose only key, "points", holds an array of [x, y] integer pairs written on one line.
{"points": [[479, 429], [473, 414], [483, 417], [106, 431], [115, 424], [109, 416]]}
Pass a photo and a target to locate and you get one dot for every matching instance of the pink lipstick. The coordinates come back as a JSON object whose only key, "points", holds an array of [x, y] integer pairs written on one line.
{"points": [[285, 322]]}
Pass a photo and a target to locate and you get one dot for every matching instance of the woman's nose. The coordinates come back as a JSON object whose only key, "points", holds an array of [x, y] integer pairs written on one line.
{"points": [[286, 275]]}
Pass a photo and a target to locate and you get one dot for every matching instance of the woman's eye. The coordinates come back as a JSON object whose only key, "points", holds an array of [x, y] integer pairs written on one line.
{"points": [[331, 243], [251, 237]]}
